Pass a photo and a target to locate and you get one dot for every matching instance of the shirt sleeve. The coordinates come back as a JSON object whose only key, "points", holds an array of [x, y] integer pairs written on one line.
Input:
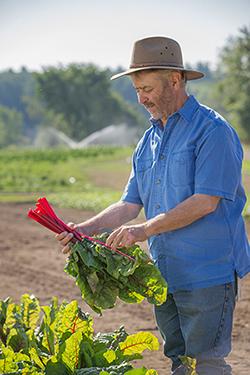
{"points": [[218, 163], [131, 191]]}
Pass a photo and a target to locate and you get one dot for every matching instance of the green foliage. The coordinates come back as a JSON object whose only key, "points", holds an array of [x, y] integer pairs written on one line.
{"points": [[10, 126], [82, 95], [62, 170], [35, 172], [205, 89], [102, 277], [63, 343], [124, 87], [189, 364], [13, 87], [234, 88], [92, 199]]}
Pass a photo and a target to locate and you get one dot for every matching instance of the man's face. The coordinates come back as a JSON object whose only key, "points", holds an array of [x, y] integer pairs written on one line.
{"points": [[154, 94]]}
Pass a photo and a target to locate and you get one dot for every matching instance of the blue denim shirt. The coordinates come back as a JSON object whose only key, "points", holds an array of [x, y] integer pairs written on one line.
{"points": [[198, 152]]}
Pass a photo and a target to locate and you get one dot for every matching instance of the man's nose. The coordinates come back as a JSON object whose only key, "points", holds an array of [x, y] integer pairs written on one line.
{"points": [[142, 98]]}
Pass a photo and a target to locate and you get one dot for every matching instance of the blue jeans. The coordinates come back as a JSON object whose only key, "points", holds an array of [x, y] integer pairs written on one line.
{"points": [[198, 324]]}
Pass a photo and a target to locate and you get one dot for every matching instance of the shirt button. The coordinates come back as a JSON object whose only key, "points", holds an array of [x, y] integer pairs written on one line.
{"points": [[158, 206], [160, 256], [159, 181], [162, 156]]}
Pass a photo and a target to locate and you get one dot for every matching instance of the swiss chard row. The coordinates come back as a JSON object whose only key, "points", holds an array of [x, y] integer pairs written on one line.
{"points": [[64, 343]]}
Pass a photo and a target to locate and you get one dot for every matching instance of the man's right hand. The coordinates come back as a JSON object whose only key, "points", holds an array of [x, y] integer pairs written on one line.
{"points": [[65, 237]]}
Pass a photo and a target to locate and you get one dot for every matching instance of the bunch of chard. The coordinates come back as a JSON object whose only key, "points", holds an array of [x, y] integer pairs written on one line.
{"points": [[101, 276]]}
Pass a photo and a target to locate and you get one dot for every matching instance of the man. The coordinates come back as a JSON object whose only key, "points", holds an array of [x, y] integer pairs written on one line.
{"points": [[186, 175]]}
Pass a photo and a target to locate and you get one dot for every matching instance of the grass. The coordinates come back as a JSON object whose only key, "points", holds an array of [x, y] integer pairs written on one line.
{"points": [[89, 179], [60, 170]]}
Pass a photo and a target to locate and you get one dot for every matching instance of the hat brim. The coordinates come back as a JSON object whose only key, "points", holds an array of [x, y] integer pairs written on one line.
{"points": [[191, 74]]}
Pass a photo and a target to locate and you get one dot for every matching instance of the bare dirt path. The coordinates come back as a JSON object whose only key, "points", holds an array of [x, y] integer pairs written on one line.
{"points": [[31, 262]]}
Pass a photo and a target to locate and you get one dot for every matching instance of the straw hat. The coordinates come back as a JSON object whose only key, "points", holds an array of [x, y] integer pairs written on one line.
{"points": [[157, 53]]}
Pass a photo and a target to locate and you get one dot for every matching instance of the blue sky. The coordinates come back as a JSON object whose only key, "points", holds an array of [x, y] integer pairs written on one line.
{"points": [[42, 33]]}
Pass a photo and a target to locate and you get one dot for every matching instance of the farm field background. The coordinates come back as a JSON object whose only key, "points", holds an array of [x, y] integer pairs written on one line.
{"points": [[78, 183]]}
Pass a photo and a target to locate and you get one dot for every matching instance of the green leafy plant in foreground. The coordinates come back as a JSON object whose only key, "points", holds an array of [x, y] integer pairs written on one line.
{"points": [[103, 277], [64, 343]]}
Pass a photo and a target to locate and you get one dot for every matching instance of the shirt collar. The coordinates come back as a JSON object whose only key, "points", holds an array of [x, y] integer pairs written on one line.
{"points": [[187, 112], [189, 109]]}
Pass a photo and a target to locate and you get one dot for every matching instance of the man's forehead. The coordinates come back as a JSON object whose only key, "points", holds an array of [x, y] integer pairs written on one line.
{"points": [[144, 78]]}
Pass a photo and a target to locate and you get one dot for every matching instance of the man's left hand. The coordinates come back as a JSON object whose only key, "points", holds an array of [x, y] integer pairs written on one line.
{"points": [[126, 236]]}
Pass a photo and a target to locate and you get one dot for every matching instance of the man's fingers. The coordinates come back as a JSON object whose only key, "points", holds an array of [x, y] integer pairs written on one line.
{"points": [[64, 238], [60, 236], [120, 238], [66, 249], [126, 236], [111, 238], [72, 225]]}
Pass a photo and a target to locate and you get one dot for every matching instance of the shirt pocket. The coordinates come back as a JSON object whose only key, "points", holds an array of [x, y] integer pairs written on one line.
{"points": [[144, 174], [182, 168]]}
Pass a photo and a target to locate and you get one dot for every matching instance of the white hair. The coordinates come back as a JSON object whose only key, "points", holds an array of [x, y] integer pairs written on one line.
{"points": [[166, 73]]}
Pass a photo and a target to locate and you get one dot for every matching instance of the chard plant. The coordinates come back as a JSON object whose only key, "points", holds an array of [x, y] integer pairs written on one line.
{"points": [[63, 343]]}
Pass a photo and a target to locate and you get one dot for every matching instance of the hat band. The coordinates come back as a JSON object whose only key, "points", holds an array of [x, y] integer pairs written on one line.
{"points": [[174, 65]]}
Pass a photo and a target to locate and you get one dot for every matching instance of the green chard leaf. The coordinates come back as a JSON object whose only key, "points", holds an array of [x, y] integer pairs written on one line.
{"points": [[30, 310], [109, 340], [72, 320], [3, 310], [148, 282], [39, 360], [17, 339], [57, 368], [141, 371], [110, 370], [127, 293], [70, 350], [138, 343], [105, 294], [7, 363], [138, 371], [102, 277], [190, 365]]}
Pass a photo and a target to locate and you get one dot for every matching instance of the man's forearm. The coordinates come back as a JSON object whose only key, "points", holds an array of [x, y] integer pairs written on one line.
{"points": [[188, 211], [180, 216], [112, 217]]}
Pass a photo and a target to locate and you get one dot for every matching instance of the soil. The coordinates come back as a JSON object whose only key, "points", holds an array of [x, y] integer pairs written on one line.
{"points": [[31, 262]]}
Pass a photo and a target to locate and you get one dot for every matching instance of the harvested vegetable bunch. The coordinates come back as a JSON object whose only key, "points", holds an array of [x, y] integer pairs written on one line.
{"points": [[101, 276]]}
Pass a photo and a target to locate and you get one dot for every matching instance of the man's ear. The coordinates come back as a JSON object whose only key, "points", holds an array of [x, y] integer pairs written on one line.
{"points": [[175, 81]]}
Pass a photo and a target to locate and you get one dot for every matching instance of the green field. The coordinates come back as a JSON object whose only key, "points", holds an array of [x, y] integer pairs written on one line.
{"points": [[88, 179]]}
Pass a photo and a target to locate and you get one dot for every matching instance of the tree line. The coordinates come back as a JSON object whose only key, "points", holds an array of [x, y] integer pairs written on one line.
{"points": [[80, 99]]}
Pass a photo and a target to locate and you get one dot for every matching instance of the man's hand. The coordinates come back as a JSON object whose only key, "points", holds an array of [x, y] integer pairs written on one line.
{"points": [[127, 236], [66, 237]]}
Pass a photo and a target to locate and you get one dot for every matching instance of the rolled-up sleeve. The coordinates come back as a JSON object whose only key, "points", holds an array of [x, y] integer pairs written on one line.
{"points": [[218, 163], [131, 191]]}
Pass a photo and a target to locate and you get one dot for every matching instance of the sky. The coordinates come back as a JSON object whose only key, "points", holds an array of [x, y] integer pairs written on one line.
{"points": [[37, 34]]}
